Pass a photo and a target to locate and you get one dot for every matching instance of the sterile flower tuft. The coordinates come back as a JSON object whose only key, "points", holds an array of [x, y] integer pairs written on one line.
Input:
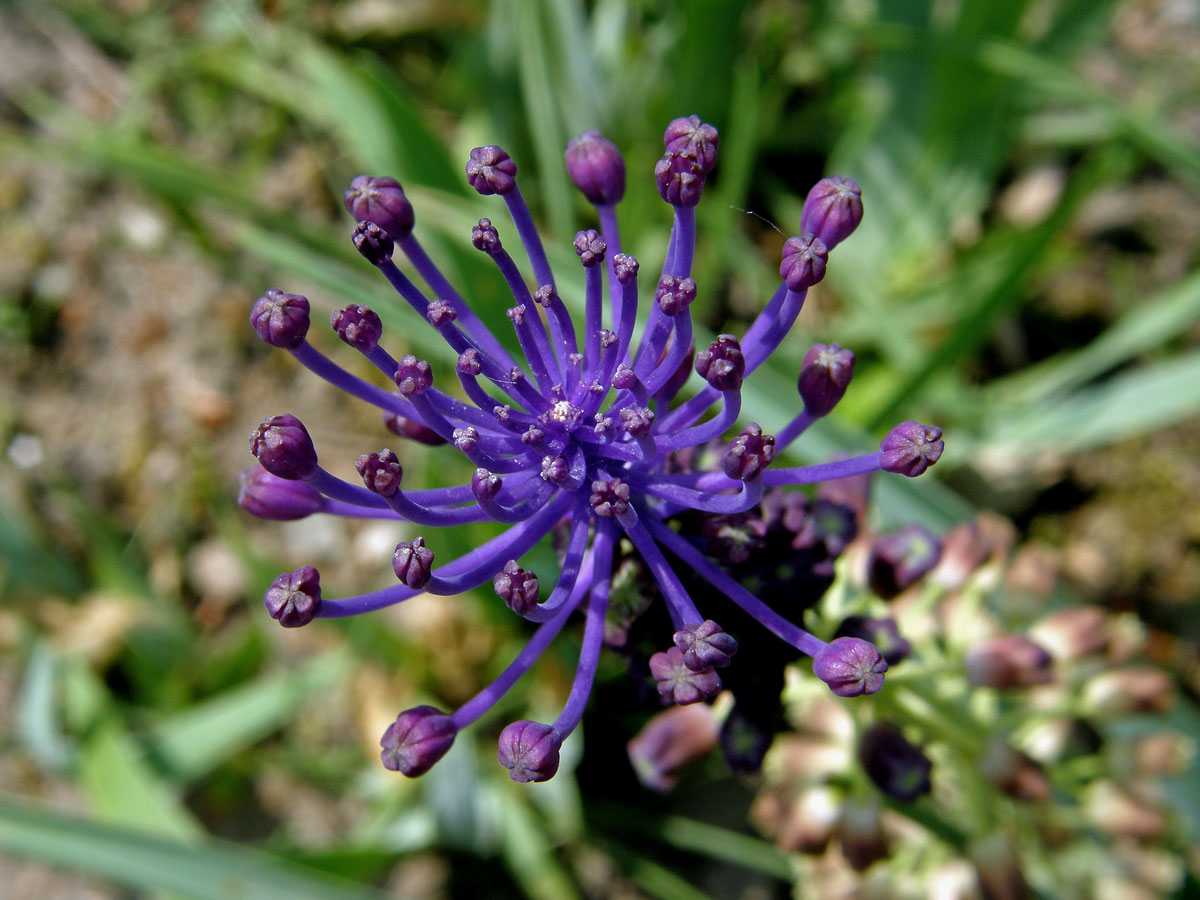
{"points": [[581, 434]]}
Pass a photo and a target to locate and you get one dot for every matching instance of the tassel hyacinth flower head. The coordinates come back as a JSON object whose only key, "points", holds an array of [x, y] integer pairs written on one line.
{"points": [[581, 429]]}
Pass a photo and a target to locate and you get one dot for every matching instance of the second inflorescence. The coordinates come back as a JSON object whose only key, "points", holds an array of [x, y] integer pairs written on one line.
{"points": [[578, 432]]}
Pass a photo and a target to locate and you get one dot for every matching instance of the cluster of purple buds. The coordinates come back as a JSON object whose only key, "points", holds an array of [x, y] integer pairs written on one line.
{"points": [[580, 430]]}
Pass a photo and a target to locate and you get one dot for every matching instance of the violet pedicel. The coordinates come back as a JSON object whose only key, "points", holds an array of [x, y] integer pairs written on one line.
{"points": [[583, 434]]}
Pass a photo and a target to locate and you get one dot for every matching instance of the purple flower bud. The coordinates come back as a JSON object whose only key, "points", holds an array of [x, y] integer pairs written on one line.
{"points": [[491, 171], [850, 666], [824, 376], [898, 768], [544, 295], [414, 431], [532, 435], [440, 313], [485, 237], [381, 472], [1008, 660], [382, 201], [832, 210], [624, 378], [722, 365], [883, 633], [485, 486], [271, 497], [281, 319], [358, 326], [690, 134], [625, 267], [910, 448], [680, 684], [529, 750], [468, 362], [517, 588], [283, 447], [670, 741], [555, 469], [609, 498], [637, 420], [294, 597], [416, 740], [413, 376], [749, 453], [595, 166], [375, 244], [590, 246], [674, 295], [413, 562], [466, 440], [804, 260], [705, 645], [901, 559], [679, 178]]}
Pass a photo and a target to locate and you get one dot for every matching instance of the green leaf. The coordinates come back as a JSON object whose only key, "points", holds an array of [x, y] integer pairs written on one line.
{"points": [[369, 110], [1146, 327], [526, 847], [1133, 403], [37, 719], [122, 788], [1008, 291], [193, 742], [207, 870], [692, 836], [1142, 128], [548, 132]]}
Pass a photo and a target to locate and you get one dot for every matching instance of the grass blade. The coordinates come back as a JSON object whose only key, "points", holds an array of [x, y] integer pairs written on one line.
{"points": [[206, 871]]}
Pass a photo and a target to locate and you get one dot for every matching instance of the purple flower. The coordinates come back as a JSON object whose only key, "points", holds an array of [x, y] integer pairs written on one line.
{"points": [[595, 166], [580, 432], [358, 326], [382, 201], [850, 666], [281, 319], [282, 446], [833, 210], [680, 683], [804, 261], [824, 376], [910, 448], [416, 740], [529, 750], [271, 497], [294, 598]]}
